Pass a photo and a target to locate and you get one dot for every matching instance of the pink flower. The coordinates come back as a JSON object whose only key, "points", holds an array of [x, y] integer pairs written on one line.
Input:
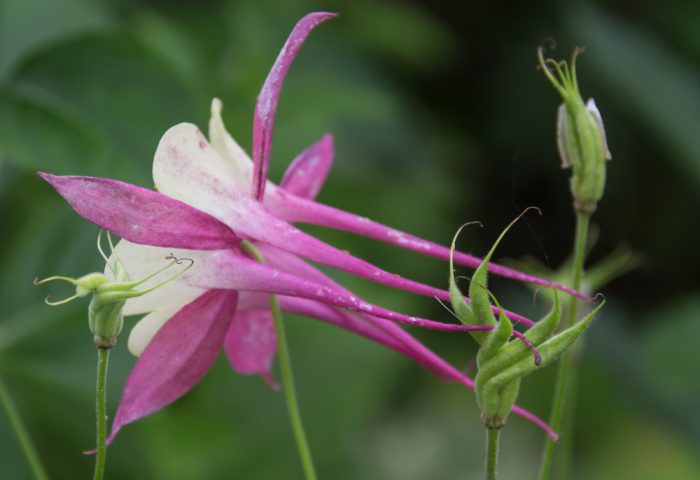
{"points": [[205, 205]]}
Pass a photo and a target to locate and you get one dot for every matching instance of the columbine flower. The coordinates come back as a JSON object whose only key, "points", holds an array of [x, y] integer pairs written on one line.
{"points": [[206, 204]]}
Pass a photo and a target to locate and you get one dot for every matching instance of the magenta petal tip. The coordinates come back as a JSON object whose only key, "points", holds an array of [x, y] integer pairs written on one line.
{"points": [[266, 106]]}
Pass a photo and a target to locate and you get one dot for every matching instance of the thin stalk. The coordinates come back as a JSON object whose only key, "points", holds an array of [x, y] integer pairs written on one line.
{"points": [[287, 378], [290, 392], [22, 433], [564, 384], [492, 436], [101, 413]]}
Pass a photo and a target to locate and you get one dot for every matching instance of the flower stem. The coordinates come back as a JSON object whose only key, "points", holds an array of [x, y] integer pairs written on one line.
{"points": [[20, 429], [287, 377], [290, 392], [101, 400], [563, 386], [492, 436]]}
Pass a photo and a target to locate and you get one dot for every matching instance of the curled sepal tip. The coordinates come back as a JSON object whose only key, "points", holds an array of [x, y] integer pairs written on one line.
{"points": [[479, 312], [460, 306]]}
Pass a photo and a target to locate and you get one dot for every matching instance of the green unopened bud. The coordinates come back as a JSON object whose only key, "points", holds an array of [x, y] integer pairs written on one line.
{"points": [[105, 316], [580, 134]]}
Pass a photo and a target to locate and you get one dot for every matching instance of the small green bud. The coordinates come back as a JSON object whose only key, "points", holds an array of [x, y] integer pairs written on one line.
{"points": [[105, 316], [89, 283], [581, 136]]}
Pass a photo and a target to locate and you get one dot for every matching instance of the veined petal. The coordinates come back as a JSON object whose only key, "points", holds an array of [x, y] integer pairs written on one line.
{"points": [[251, 343], [307, 173], [142, 260], [294, 209], [141, 215], [146, 328], [187, 168], [264, 118], [177, 358], [240, 164]]}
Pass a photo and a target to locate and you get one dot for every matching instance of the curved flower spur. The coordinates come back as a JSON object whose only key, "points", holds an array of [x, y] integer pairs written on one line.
{"points": [[206, 204]]}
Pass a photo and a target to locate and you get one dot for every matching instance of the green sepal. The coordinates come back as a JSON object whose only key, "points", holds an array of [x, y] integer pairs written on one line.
{"points": [[516, 350], [478, 287], [459, 304], [496, 338]]}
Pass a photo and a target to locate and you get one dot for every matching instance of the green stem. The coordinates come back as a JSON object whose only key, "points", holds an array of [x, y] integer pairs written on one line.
{"points": [[22, 434], [492, 435], [101, 400], [287, 377], [563, 386], [290, 392]]}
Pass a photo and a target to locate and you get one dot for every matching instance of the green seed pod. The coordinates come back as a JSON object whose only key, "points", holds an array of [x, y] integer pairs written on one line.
{"points": [[494, 404], [500, 405], [106, 320], [105, 316]]}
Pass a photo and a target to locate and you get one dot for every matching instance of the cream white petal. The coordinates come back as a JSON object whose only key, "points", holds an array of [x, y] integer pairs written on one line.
{"points": [[221, 140], [146, 328], [595, 113], [188, 169]]}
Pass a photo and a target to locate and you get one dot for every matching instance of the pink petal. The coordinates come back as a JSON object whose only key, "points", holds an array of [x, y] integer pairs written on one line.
{"points": [[229, 269], [265, 228], [141, 215], [365, 326], [299, 209], [370, 326], [264, 118], [177, 358], [251, 343], [392, 336], [180, 171], [307, 173], [383, 332]]}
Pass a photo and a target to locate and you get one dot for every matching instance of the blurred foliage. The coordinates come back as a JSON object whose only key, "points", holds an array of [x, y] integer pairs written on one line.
{"points": [[439, 116]]}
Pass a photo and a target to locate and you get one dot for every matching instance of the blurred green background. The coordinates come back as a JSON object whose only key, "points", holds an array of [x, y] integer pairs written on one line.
{"points": [[439, 117]]}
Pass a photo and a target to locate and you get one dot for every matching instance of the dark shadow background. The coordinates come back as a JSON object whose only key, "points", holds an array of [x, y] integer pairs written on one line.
{"points": [[439, 116]]}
